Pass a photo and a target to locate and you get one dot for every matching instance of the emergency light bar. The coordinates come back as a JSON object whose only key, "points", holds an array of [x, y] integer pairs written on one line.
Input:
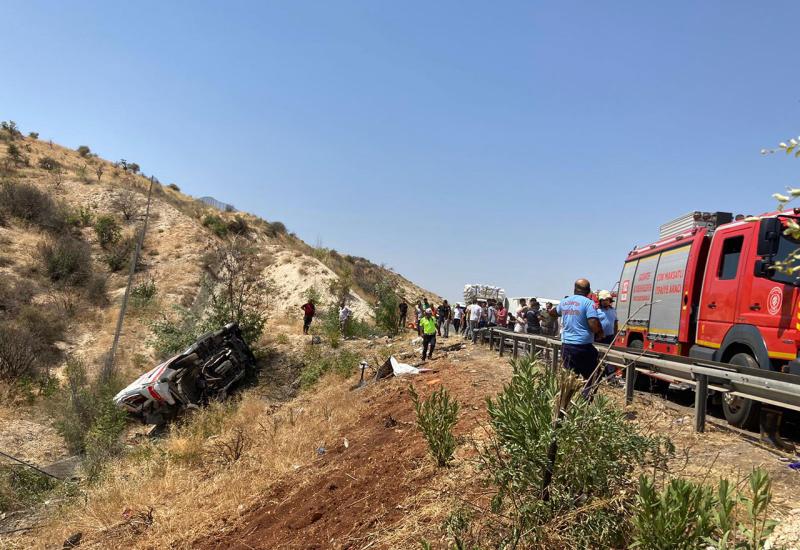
{"points": [[691, 220]]}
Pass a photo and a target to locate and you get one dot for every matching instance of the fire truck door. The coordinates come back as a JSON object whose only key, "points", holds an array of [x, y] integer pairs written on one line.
{"points": [[718, 307]]}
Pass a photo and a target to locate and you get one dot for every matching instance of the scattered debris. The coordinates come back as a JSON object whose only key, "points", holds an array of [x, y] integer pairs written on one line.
{"points": [[321, 451], [316, 340], [416, 341], [389, 422], [73, 541]]}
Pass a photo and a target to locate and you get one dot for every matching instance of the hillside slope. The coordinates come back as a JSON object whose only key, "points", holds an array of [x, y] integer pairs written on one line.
{"points": [[182, 232]]}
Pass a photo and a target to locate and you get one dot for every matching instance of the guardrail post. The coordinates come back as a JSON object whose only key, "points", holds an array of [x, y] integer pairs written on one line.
{"points": [[474, 336], [630, 381], [700, 400], [491, 339], [515, 348], [502, 344], [554, 358]]}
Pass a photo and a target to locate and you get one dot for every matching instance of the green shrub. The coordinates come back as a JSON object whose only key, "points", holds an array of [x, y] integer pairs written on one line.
{"points": [[387, 308], [436, 417], [9, 130], [170, 335], [28, 203], [275, 229], [216, 224], [144, 293], [84, 151], [108, 230], [118, 255], [96, 290], [66, 260], [87, 418], [687, 515], [49, 163], [22, 487], [33, 135], [318, 362], [174, 187], [238, 226], [18, 356], [15, 155], [590, 487]]}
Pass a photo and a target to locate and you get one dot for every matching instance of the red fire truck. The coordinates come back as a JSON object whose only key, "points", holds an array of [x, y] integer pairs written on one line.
{"points": [[708, 289]]}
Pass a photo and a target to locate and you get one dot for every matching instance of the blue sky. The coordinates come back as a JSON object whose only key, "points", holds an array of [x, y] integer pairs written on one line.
{"points": [[522, 144]]}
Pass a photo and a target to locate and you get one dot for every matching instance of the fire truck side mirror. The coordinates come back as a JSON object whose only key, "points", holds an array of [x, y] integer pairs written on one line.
{"points": [[764, 269], [768, 237]]}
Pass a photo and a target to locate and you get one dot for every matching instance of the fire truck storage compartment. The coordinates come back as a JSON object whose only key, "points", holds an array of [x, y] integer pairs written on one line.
{"points": [[651, 293]]}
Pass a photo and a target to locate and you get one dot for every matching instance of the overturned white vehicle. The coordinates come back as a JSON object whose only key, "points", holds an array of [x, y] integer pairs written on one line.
{"points": [[206, 371]]}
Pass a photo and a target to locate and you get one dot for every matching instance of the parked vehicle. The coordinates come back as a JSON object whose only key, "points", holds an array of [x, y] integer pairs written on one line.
{"points": [[708, 289], [208, 370]]}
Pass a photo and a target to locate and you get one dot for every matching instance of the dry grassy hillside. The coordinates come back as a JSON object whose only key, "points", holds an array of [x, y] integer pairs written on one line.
{"points": [[79, 190]]}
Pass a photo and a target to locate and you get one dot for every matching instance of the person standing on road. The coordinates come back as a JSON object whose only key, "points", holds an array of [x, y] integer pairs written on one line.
{"points": [[549, 320], [417, 316], [445, 314], [608, 316], [491, 316], [532, 325], [502, 315], [474, 311], [428, 324], [403, 314], [308, 314], [580, 327], [519, 316], [458, 315]]}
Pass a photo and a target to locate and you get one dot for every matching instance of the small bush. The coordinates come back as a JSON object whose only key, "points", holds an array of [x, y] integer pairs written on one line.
{"points": [[17, 353], [174, 187], [126, 203], [9, 130], [216, 224], [144, 293], [96, 290], [22, 487], [84, 151], [436, 417], [275, 229], [66, 260], [173, 334], [44, 323], [539, 465], [28, 203], [15, 155], [87, 418], [49, 163], [14, 295], [108, 230], [318, 362], [238, 226], [33, 135], [118, 255], [687, 515], [387, 308]]}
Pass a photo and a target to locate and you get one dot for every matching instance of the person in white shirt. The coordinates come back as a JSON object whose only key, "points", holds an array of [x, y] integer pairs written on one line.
{"points": [[344, 315], [519, 316], [474, 312], [458, 314]]}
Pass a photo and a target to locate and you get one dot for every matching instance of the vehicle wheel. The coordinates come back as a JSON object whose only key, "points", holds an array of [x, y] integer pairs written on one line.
{"points": [[741, 412]]}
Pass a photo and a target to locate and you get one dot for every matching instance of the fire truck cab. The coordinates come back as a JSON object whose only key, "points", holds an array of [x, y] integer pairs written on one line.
{"points": [[709, 289]]}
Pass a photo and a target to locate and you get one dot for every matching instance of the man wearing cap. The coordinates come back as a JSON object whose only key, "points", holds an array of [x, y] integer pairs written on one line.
{"points": [[608, 316], [579, 327], [428, 326]]}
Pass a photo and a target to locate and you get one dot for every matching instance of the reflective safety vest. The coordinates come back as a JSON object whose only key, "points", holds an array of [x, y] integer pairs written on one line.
{"points": [[428, 325]]}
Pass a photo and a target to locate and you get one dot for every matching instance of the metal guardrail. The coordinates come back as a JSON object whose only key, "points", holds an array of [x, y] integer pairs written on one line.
{"points": [[765, 386]]}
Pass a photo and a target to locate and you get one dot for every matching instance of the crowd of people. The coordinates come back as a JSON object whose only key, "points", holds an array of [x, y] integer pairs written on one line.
{"points": [[577, 320]]}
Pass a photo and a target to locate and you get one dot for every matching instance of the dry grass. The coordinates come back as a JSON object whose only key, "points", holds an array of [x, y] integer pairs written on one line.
{"points": [[190, 483]]}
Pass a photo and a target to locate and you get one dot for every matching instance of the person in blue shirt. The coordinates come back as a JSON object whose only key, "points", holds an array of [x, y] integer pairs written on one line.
{"points": [[608, 316], [580, 326]]}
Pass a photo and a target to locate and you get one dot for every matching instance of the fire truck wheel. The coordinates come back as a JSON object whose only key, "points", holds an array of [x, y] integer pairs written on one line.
{"points": [[741, 412]]}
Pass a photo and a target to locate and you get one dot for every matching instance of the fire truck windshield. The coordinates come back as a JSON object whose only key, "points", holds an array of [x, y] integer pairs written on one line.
{"points": [[786, 247]]}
